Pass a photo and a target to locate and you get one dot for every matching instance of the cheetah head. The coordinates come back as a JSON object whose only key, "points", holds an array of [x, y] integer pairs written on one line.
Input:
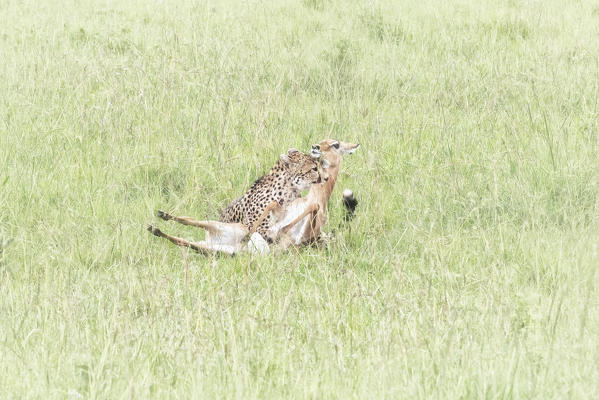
{"points": [[304, 169]]}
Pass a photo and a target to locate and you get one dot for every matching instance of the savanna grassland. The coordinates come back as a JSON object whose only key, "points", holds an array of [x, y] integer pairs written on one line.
{"points": [[470, 270]]}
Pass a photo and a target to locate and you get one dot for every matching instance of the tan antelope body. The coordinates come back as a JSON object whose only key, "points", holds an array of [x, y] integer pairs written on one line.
{"points": [[297, 223]]}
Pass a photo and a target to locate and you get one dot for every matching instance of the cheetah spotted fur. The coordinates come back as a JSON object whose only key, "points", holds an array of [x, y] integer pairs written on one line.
{"points": [[293, 173]]}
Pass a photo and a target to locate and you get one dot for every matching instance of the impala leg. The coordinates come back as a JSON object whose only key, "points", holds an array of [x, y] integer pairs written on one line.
{"points": [[178, 241], [208, 225], [311, 209], [269, 208], [182, 220]]}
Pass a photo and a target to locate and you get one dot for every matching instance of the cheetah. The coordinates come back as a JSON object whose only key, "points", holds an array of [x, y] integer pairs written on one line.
{"points": [[294, 172]]}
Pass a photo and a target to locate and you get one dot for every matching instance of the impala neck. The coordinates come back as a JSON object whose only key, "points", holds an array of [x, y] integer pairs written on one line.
{"points": [[323, 191]]}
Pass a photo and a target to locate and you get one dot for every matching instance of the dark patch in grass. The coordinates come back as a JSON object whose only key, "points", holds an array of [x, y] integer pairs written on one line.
{"points": [[317, 5], [340, 57], [117, 45], [381, 29], [512, 29], [4, 244], [79, 37], [332, 78], [149, 179], [114, 43], [83, 372]]}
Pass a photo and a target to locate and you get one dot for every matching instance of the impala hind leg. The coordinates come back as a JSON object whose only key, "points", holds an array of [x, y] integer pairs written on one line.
{"points": [[178, 241], [311, 209], [214, 227], [182, 220]]}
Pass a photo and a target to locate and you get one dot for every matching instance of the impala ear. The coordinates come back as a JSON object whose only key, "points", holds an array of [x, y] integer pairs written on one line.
{"points": [[349, 148]]}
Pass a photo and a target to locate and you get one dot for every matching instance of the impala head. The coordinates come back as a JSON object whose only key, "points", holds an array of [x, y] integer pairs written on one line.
{"points": [[333, 150], [304, 169]]}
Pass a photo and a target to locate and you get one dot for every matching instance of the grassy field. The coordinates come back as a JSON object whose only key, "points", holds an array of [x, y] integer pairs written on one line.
{"points": [[469, 272]]}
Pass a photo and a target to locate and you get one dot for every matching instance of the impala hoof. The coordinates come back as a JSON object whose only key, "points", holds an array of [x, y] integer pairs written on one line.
{"points": [[163, 215], [154, 231]]}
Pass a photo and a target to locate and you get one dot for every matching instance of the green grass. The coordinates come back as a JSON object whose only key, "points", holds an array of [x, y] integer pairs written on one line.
{"points": [[469, 271]]}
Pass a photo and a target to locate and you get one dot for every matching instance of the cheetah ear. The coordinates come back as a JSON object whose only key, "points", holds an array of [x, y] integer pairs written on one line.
{"points": [[325, 164], [285, 157]]}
